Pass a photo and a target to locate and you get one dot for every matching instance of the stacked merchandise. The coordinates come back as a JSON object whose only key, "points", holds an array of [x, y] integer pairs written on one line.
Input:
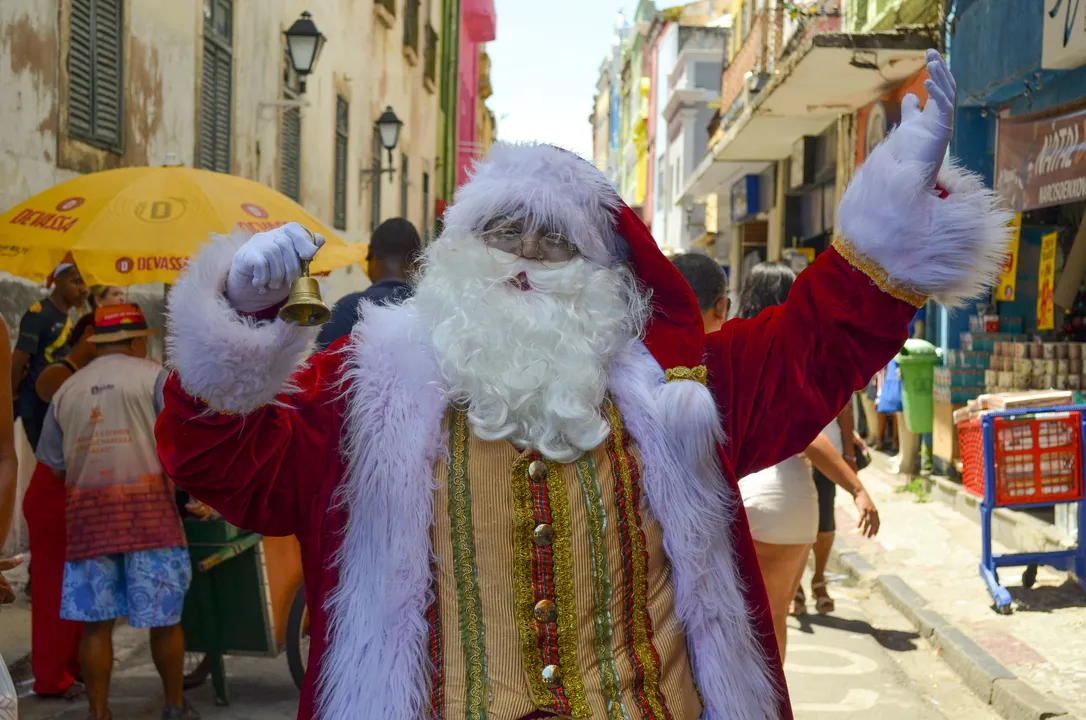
{"points": [[965, 374], [1006, 362], [1035, 399]]}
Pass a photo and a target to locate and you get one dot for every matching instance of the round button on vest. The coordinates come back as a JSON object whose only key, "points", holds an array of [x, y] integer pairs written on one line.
{"points": [[543, 535], [545, 611], [537, 470], [552, 676]]}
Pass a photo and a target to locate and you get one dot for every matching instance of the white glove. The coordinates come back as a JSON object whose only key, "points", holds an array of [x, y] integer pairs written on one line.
{"points": [[265, 266], [923, 136]]}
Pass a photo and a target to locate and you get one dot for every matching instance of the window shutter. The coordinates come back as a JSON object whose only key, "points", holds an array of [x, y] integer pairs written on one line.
{"points": [[405, 177], [339, 212], [224, 68], [290, 156], [95, 72], [426, 206], [207, 109], [80, 75], [375, 185], [216, 89], [108, 17]]}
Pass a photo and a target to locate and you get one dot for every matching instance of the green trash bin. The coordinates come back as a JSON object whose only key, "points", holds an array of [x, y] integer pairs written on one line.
{"points": [[917, 361]]}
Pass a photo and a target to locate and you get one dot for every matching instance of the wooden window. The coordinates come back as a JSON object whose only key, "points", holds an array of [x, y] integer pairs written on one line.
{"points": [[339, 212], [426, 206], [95, 73], [404, 184], [411, 24], [216, 88], [375, 184], [290, 136]]}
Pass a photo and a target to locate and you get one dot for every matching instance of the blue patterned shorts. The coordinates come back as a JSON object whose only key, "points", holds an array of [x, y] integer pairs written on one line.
{"points": [[147, 586]]}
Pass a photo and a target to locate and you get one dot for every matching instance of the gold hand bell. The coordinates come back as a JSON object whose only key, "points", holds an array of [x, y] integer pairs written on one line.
{"points": [[304, 305]]}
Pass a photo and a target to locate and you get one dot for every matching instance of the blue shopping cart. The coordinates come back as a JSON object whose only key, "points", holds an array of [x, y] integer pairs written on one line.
{"points": [[1028, 458]]}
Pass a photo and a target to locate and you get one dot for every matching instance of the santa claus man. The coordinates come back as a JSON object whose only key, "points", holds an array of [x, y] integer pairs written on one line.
{"points": [[516, 494]]}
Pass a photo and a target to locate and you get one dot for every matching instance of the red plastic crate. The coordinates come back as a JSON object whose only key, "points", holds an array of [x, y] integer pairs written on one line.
{"points": [[1037, 459]]}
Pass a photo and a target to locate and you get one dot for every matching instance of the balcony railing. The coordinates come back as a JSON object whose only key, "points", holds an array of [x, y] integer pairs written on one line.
{"points": [[411, 25], [429, 65]]}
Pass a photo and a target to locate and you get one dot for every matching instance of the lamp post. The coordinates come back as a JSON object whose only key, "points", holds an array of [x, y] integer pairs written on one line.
{"points": [[388, 129], [304, 43]]}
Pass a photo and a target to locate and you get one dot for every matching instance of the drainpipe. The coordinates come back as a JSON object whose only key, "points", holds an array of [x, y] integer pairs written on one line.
{"points": [[950, 15]]}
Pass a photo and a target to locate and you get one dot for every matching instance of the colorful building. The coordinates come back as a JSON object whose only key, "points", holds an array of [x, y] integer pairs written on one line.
{"points": [[479, 27], [780, 145], [606, 119]]}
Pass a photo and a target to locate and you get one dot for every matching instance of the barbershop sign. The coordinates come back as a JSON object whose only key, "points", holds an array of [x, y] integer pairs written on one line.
{"points": [[1041, 158]]}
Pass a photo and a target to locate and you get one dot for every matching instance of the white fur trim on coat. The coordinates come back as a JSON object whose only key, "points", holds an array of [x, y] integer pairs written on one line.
{"points": [[232, 363], [949, 249], [377, 626], [557, 188]]}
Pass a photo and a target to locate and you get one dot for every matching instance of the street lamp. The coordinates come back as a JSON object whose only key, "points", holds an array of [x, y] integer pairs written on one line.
{"points": [[304, 43], [388, 128]]}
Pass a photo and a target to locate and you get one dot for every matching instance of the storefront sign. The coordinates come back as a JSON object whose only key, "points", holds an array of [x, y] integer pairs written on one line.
{"points": [[746, 198], [1046, 283], [1041, 158], [1063, 45], [1008, 279]]}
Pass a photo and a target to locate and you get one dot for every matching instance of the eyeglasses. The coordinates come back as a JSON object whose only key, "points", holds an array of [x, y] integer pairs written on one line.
{"points": [[550, 248]]}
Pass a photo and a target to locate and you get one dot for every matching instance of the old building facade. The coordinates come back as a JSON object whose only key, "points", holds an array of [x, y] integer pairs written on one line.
{"points": [[90, 85]]}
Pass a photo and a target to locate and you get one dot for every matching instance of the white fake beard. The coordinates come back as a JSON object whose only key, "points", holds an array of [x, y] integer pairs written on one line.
{"points": [[531, 366]]}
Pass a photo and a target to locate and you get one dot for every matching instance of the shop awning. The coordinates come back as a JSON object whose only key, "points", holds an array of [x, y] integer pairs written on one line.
{"points": [[828, 75]]}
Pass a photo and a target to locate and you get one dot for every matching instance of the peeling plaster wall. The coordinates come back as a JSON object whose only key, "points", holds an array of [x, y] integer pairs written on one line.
{"points": [[362, 60], [29, 77]]}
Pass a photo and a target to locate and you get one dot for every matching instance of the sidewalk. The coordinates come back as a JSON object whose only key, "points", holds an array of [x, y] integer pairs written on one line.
{"points": [[1030, 664]]}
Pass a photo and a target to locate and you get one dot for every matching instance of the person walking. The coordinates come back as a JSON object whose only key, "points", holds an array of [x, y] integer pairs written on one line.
{"points": [[848, 445], [44, 334], [710, 285], [9, 474], [126, 553], [392, 263], [781, 501], [55, 642]]}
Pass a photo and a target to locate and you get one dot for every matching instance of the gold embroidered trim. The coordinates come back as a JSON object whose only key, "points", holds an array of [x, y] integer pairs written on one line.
{"points": [[601, 588], [467, 581], [698, 374], [562, 548], [877, 274], [638, 623], [523, 585]]}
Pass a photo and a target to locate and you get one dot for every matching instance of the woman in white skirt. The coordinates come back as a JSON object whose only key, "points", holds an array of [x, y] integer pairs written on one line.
{"points": [[781, 502]]}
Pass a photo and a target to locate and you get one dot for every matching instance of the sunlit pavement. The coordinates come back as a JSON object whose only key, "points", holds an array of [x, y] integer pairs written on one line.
{"points": [[866, 661]]}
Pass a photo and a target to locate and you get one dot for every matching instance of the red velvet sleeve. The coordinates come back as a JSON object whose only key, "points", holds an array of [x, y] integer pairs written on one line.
{"points": [[261, 471], [781, 377]]}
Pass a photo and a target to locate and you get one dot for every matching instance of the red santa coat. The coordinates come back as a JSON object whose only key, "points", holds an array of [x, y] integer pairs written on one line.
{"points": [[283, 445], [778, 380]]}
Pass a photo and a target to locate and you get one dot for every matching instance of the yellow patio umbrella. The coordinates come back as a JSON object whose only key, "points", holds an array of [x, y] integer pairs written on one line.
{"points": [[142, 224]]}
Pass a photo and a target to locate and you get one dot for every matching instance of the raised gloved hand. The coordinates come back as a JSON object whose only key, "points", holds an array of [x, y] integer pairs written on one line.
{"points": [[266, 265], [923, 136]]}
